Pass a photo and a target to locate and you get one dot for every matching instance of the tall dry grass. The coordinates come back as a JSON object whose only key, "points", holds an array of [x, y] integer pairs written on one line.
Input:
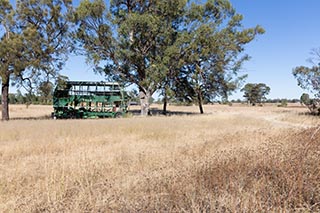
{"points": [[246, 160], [21, 111]]}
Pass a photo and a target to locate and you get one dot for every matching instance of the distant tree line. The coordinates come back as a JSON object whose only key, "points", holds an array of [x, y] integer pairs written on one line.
{"points": [[270, 100], [27, 99], [43, 94]]}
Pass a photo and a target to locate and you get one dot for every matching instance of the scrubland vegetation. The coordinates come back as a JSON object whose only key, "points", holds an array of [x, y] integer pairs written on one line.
{"points": [[232, 159]]}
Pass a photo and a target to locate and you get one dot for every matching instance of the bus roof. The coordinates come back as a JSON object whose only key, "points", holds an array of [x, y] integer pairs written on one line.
{"points": [[92, 83]]}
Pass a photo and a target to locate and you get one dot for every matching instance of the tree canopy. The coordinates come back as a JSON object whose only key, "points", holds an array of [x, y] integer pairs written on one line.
{"points": [[255, 93], [214, 40], [186, 49], [34, 43], [308, 78]]}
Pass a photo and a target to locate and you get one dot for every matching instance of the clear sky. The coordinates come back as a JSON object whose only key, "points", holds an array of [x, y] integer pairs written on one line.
{"points": [[292, 30]]}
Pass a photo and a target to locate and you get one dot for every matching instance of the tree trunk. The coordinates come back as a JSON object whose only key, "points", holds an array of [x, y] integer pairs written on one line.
{"points": [[144, 102], [200, 102], [5, 99], [164, 110]]}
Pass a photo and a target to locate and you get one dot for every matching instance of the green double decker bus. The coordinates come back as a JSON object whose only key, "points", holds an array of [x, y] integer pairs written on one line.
{"points": [[81, 99]]}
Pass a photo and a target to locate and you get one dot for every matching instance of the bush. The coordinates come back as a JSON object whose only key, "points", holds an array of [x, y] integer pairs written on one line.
{"points": [[312, 104], [283, 103]]}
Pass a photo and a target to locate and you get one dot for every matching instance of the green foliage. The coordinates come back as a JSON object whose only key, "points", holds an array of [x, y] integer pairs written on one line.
{"points": [[27, 99], [279, 100], [134, 96], [309, 77], [283, 103], [134, 38], [312, 104], [187, 50], [62, 82], [214, 40], [45, 92], [35, 42], [305, 99], [255, 93]]}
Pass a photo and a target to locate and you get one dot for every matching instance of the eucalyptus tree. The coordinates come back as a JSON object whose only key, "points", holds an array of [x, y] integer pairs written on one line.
{"points": [[174, 46], [213, 43], [168, 52], [132, 39], [255, 93], [311, 103], [33, 43], [309, 77]]}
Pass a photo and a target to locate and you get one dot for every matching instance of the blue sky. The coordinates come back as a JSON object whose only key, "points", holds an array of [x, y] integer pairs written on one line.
{"points": [[292, 30]]}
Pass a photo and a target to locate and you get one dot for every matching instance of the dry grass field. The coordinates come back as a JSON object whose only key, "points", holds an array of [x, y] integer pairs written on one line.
{"points": [[232, 159]]}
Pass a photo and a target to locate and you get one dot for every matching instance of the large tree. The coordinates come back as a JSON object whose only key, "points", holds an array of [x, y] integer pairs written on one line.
{"points": [[133, 38], [169, 55], [169, 45], [309, 77], [33, 43], [213, 44], [255, 93]]}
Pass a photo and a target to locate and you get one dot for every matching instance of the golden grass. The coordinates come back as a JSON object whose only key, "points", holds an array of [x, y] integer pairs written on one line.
{"points": [[247, 159], [29, 112]]}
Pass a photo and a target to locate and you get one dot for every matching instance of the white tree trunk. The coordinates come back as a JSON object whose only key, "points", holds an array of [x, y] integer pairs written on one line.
{"points": [[144, 102]]}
